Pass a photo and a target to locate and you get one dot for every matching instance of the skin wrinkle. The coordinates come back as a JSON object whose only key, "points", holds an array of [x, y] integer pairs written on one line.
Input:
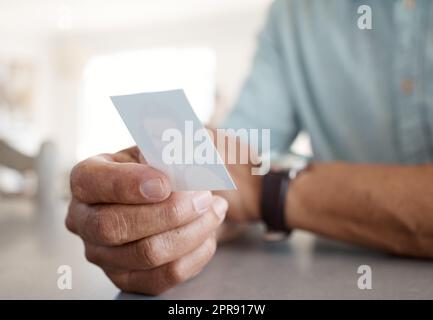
{"points": [[161, 248], [176, 212], [171, 212], [166, 244], [145, 252], [110, 228], [169, 274], [89, 220], [123, 227]]}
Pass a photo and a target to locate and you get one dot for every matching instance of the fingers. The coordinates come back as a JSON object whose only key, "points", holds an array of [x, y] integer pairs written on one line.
{"points": [[161, 248], [158, 280], [116, 224], [102, 180], [144, 237]]}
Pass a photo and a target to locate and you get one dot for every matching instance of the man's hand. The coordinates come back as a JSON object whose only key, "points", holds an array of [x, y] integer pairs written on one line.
{"points": [[145, 238]]}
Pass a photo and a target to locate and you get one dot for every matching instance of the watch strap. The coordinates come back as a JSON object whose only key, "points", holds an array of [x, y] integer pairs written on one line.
{"points": [[275, 185]]}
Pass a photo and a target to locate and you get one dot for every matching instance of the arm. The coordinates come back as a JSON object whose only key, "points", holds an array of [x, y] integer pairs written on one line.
{"points": [[389, 207], [383, 206]]}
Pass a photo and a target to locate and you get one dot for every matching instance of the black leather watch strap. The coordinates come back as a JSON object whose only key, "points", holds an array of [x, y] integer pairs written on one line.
{"points": [[275, 185]]}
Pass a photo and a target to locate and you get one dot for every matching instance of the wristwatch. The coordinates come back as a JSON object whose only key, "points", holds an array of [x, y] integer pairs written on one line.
{"points": [[275, 185]]}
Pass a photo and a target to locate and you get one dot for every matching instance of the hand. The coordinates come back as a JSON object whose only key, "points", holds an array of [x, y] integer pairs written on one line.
{"points": [[145, 238]]}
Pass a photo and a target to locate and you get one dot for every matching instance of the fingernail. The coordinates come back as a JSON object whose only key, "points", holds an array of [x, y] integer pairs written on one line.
{"points": [[201, 201], [152, 189], [220, 206]]}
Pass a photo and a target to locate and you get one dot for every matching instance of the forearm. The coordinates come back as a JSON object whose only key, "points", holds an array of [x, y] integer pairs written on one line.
{"points": [[382, 206]]}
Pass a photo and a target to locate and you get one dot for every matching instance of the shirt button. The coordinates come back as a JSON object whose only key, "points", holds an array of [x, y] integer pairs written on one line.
{"points": [[406, 86], [409, 4]]}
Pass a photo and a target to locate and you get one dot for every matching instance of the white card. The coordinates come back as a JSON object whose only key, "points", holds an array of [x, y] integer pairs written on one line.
{"points": [[173, 140]]}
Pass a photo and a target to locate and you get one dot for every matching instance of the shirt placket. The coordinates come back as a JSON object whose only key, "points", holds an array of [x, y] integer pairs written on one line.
{"points": [[411, 124]]}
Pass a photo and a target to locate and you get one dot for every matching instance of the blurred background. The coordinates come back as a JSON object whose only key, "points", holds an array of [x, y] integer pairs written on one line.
{"points": [[60, 60]]}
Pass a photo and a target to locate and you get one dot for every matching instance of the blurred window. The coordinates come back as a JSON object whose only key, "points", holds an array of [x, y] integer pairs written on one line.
{"points": [[100, 128]]}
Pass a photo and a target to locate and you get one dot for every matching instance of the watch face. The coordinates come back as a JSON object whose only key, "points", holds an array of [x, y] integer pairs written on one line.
{"points": [[289, 161]]}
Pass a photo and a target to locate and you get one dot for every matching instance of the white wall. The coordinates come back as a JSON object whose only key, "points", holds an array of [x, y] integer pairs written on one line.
{"points": [[229, 27]]}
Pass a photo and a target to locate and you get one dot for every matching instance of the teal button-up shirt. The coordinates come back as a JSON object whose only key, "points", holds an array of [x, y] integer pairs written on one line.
{"points": [[361, 95]]}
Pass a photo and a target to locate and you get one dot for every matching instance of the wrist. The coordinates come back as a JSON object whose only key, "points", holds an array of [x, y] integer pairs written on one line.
{"points": [[275, 197], [296, 198], [244, 203], [252, 199]]}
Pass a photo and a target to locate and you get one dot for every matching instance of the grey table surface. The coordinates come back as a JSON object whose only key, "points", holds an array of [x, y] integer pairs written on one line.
{"points": [[34, 243]]}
